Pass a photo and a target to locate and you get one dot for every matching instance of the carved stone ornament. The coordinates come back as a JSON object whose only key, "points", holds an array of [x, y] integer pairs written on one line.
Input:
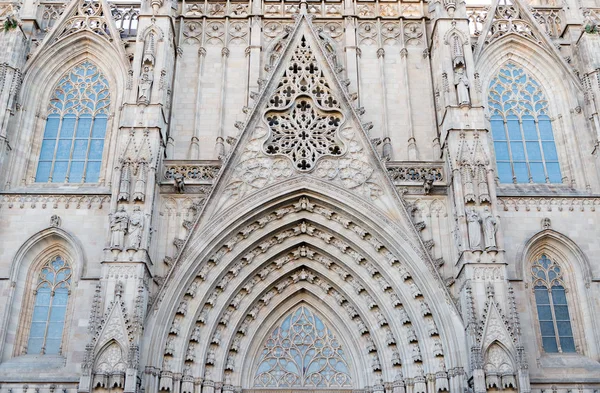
{"points": [[303, 130]]}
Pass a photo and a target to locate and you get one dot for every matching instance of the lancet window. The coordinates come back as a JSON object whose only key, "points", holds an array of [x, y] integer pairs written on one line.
{"points": [[302, 352], [552, 307], [50, 306], [75, 128], [522, 129]]}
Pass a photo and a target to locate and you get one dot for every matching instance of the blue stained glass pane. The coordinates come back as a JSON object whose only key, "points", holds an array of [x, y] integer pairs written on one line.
{"points": [[549, 344], [93, 172], [544, 313], [53, 346], [99, 129], [63, 152], [61, 296], [549, 151], [514, 130], [541, 296], [76, 172], [498, 132], [564, 328], [96, 147], [83, 127], [529, 130], [537, 172], [38, 329], [558, 295], [34, 346], [52, 124], [517, 151], [561, 312], [42, 298], [567, 344], [547, 328], [553, 172], [501, 150], [505, 172], [60, 171], [68, 127], [40, 314], [521, 172], [533, 151], [80, 149], [43, 171], [47, 152], [545, 128]]}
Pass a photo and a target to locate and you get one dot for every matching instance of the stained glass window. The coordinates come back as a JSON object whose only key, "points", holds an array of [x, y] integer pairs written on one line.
{"points": [[552, 307], [521, 129], [51, 296], [302, 352], [75, 128]]}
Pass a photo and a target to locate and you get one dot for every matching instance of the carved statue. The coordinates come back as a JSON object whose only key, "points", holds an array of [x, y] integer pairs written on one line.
{"points": [[124, 182], [139, 191], [462, 86], [428, 180], [136, 226], [118, 226], [474, 229], [490, 226], [145, 86]]}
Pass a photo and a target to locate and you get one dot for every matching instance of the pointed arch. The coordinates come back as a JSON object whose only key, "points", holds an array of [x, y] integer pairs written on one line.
{"points": [[110, 366], [562, 89], [348, 229], [44, 246], [46, 68], [576, 275], [500, 367]]}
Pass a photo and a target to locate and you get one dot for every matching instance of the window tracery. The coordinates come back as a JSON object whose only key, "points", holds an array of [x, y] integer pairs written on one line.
{"points": [[522, 129], [302, 352], [304, 116], [75, 128], [552, 307], [51, 298]]}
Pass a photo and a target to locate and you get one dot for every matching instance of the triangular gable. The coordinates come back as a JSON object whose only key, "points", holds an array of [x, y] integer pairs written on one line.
{"points": [[495, 328], [91, 16], [513, 17], [303, 125], [114, 326]]}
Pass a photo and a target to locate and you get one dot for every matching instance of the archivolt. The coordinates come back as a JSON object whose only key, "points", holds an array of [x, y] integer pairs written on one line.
{"points": [[262, 261]]}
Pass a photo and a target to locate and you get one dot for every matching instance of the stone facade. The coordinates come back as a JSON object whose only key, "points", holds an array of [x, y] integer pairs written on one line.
{"points": [[217, 197]]}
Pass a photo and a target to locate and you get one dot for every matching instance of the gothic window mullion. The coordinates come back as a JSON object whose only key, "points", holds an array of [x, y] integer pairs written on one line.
{"points": [[70, 161], [55, 151], [87, 151], [525, 152], [537, 129], [557, 335]]}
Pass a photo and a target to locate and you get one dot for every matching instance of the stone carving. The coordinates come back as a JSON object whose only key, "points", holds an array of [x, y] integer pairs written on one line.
{"points": [[178, 182], [55, 221], [89, 15], [118, 227], [474, 229], [124, 181], [461, 79], [490, 227], [135, 229]]}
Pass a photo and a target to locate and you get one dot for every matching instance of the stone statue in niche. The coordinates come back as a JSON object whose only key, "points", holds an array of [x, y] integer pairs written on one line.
{"points": [[139, 191], [118, 226], [147, 72], [125, 181], [474, 229], [461, 80], [490, 227], [136, 226]]}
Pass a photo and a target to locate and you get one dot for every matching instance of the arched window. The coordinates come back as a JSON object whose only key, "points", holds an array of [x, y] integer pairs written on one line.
{"points": [[521, 129], [75, 129], [51, 297], [302, 352], [552, 307]]}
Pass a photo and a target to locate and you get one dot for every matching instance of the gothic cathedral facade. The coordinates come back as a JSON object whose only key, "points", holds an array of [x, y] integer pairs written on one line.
{"points": [[286, 196]]}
